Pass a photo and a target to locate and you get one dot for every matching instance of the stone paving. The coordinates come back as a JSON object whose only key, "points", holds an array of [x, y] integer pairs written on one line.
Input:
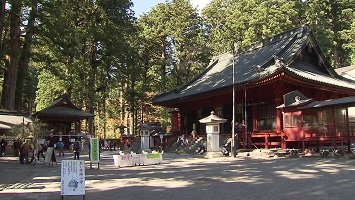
{"points": [[189, 177]]}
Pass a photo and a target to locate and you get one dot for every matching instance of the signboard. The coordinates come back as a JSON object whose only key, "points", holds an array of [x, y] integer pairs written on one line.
{"points": [[153, 156], [72, 177], [94, 150]]}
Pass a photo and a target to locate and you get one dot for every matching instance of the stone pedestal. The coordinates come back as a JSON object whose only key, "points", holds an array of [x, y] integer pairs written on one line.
{"points": [[212, 129]]}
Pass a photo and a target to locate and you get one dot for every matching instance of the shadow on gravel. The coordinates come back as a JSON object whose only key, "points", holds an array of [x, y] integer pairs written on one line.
{"points": [[184, 177]]}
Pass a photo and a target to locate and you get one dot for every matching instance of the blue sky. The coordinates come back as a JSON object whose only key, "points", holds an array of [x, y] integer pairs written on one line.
{"points": [[143, 6]]}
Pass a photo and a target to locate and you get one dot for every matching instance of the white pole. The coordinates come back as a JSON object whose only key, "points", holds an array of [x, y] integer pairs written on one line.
{"points": [[233, 146]]}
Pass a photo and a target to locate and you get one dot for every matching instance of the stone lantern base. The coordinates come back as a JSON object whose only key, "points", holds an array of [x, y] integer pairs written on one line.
{"points": [[213, 154]]}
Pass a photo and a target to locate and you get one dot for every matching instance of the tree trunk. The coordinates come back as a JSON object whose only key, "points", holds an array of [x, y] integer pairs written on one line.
{"points": [[163, 64], [163, 77], [93, 65], [2, 25], [10, 74], [25, 57]]}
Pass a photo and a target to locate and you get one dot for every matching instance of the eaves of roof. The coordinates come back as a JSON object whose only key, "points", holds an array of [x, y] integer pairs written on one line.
{"points": [[342, 70], [320, 78], [63, 112], [330, 102]]}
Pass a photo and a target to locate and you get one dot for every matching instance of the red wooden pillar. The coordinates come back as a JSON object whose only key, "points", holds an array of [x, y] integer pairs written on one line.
{"points": [[249, 140], [283, 143], [279, 117], [175, 121], [255, 118], [266, 141]]}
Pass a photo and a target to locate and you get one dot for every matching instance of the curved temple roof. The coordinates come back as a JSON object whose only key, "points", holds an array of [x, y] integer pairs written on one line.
{"points": [[257, 61], [62, 109]]}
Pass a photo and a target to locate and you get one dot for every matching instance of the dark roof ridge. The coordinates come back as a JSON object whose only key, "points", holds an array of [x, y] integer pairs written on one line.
{"points": [[278, 56], [273, 39], [265, 42], [324, 61], [179, 88]]}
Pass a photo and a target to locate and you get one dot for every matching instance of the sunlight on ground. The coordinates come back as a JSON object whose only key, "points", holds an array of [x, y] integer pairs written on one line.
{"points": [[46, 178], [332, 168], [136, 182], [296, 175], [244, 179], [237, 171]]}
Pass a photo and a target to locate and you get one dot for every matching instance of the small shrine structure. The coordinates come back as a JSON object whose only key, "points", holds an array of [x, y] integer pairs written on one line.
{"points": [[60, 116]]}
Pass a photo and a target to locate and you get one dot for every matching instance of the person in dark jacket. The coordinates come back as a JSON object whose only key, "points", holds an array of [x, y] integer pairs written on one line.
{"points": [[25, 152], [51, 144], [41, 149], [76, 149], [3, 145]]}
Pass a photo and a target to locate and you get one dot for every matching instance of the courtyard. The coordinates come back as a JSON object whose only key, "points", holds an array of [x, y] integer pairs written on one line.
{"points": [[189, 177]]}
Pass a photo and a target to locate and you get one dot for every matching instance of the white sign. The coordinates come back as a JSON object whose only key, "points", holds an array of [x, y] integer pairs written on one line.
{"points": [[49, 153], [73, 177]]}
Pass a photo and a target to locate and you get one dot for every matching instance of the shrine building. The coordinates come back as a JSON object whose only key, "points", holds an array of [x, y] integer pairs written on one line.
{"points": [[267, 74]]}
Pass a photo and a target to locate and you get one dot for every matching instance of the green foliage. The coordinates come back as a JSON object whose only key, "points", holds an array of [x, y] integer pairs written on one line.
{"points": [[49, 87], [330, 20], [175, 35], [246, 21], [348, 35]]}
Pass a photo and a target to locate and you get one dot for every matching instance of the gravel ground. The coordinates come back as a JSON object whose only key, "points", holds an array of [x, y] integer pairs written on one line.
{"points": [[189, 177]]}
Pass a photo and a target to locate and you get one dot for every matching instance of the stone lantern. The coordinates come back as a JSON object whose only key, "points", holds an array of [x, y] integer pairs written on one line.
{"points": [[213, 130], [146, 139]]}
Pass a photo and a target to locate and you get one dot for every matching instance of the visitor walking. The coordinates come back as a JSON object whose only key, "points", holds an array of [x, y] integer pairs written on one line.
{"points": [[51, 145], [202, 146], [76, 149], [40, 152], [25, 151], [60, 146]]}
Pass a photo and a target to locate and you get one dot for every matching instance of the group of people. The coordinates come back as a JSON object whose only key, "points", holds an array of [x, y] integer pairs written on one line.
{"points": [[182, 141], [25, 149], [76, 147], [108, 145], [21, 148]]}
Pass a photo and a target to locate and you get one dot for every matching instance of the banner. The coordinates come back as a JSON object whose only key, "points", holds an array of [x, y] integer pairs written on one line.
{"points": [[153, 156], [73, 177], [94, 150]]}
